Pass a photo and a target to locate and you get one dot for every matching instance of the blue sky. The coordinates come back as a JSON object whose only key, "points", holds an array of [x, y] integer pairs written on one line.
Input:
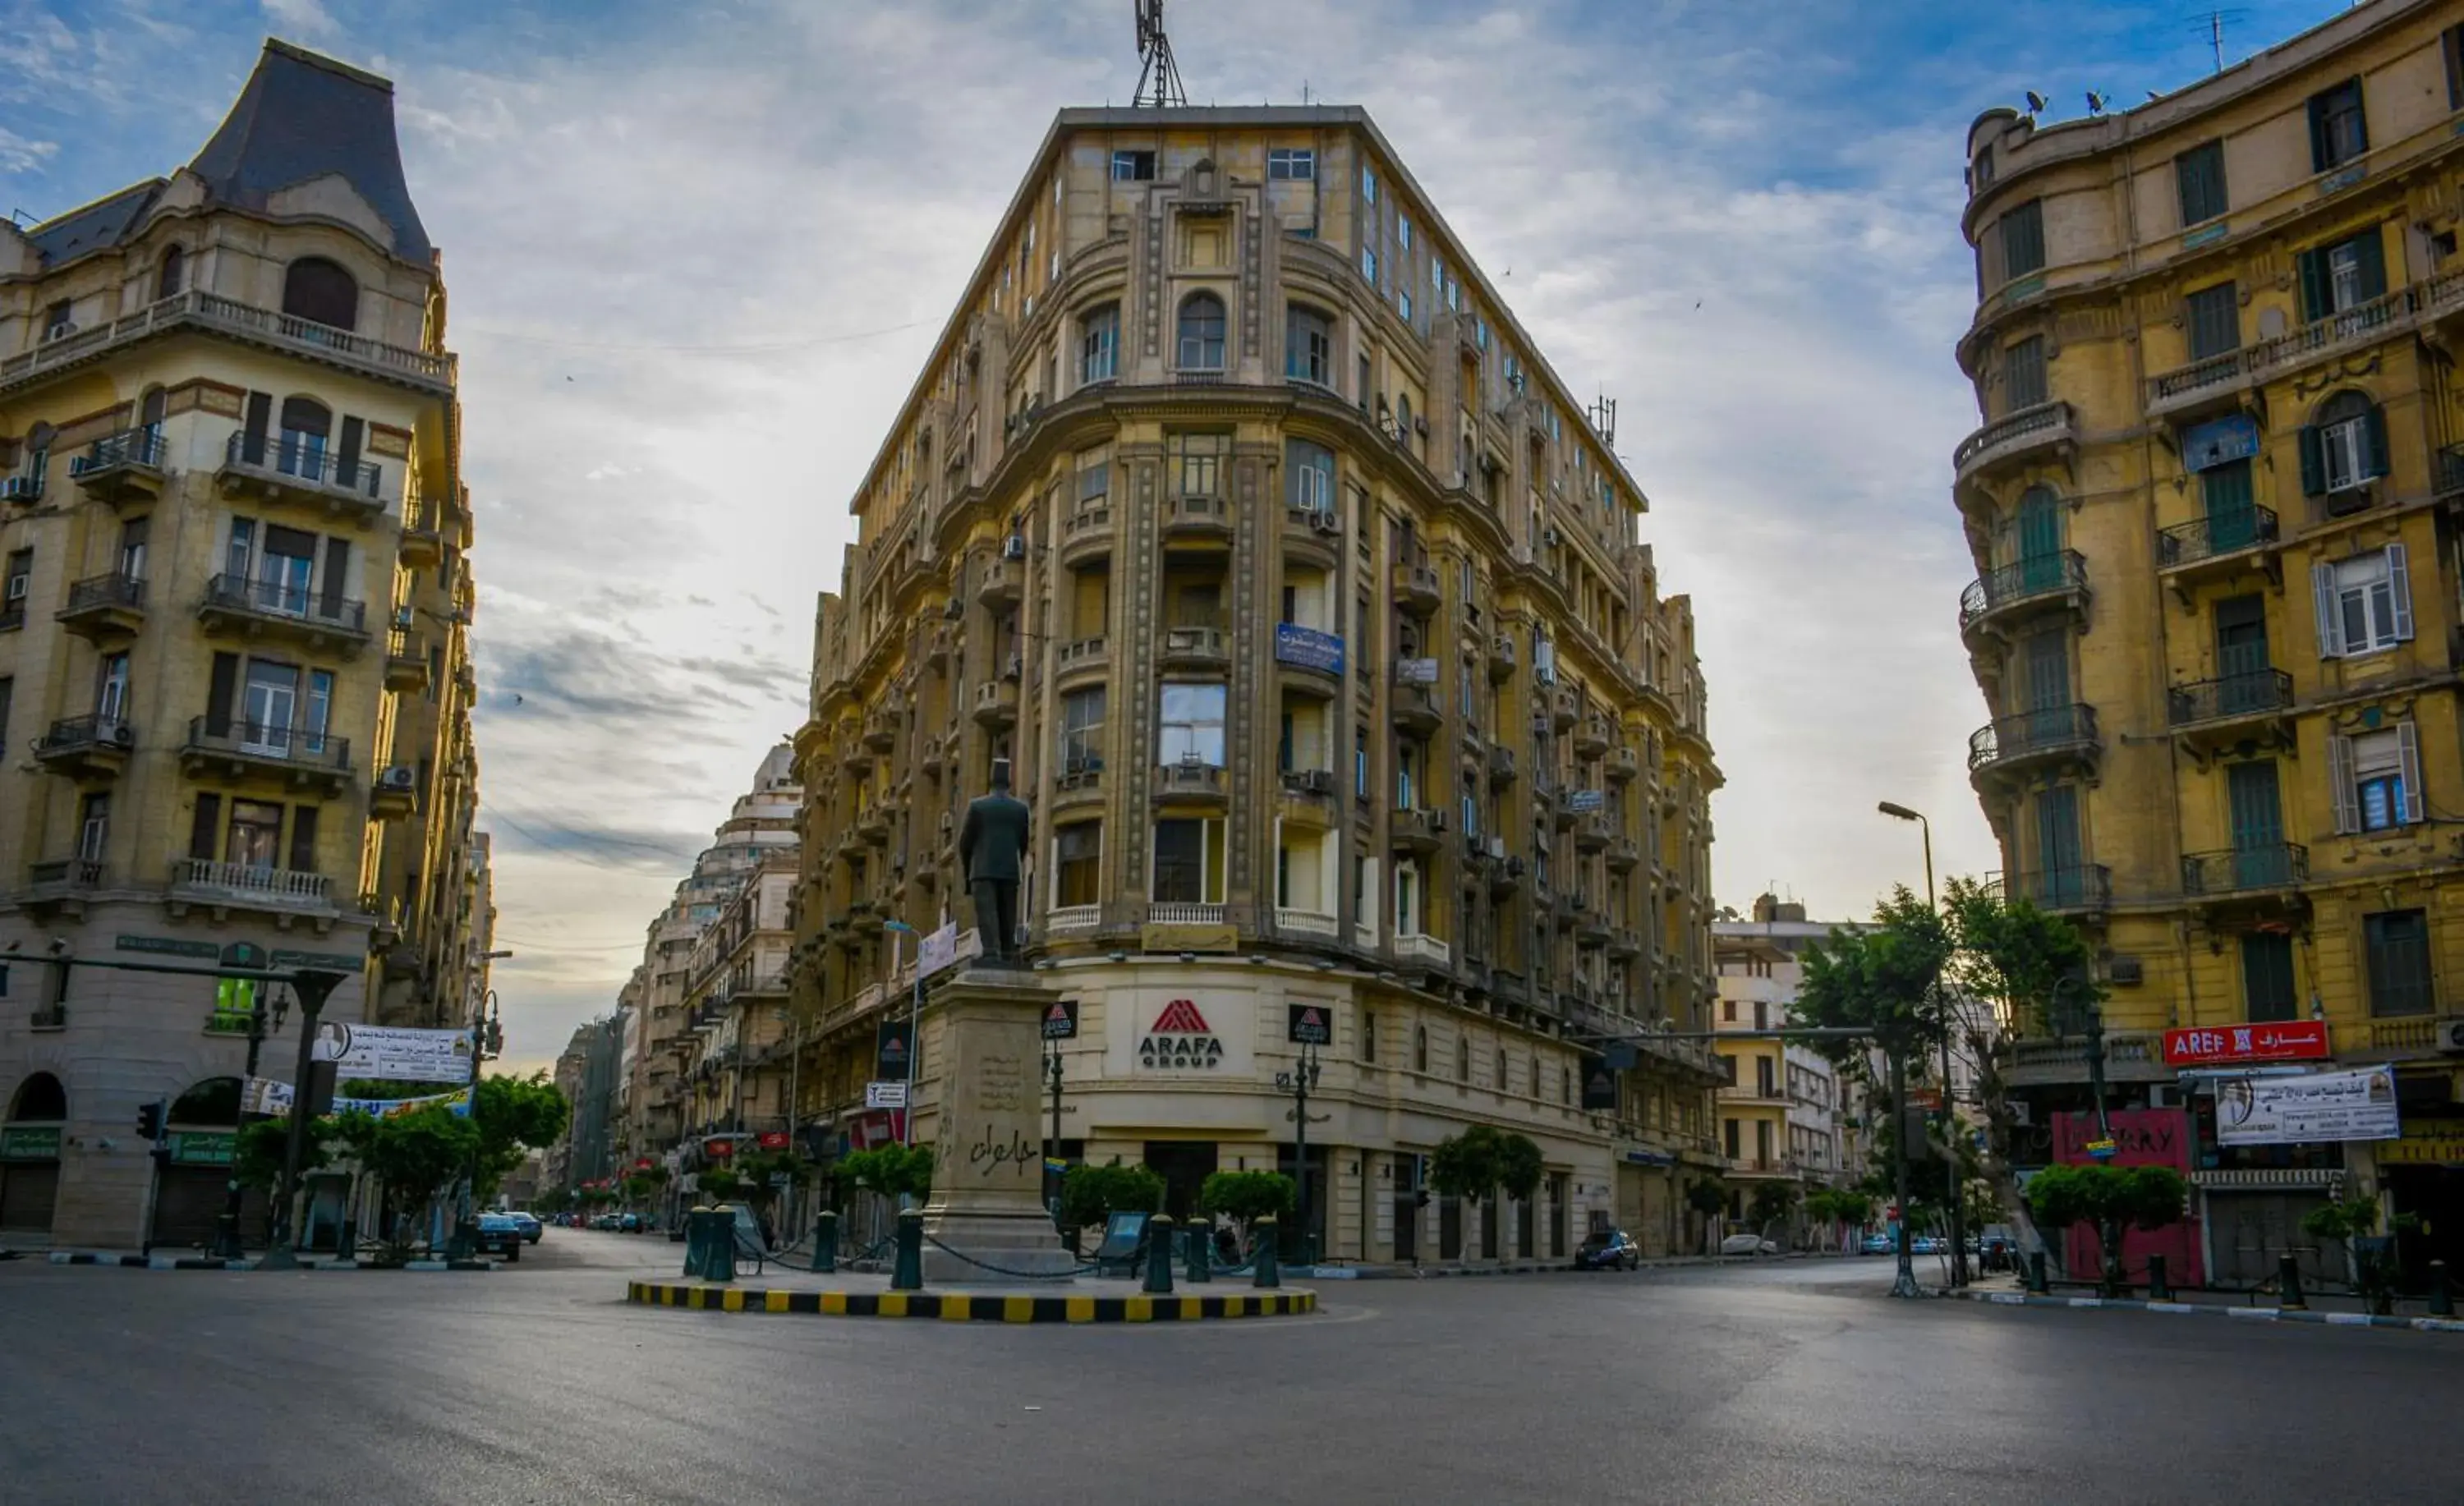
{"points": [[697, 252]]}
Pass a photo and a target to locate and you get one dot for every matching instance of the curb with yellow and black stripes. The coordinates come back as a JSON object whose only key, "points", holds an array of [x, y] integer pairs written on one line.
{"points": [[955, 1307]]}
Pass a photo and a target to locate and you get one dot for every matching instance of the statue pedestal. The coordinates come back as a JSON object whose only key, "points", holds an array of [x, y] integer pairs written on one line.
{"points": [[988, 1160]]}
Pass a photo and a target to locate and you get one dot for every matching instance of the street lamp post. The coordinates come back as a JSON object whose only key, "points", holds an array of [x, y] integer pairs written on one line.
{"points": [[487, 1039], [1950, 1118], [1300, 1079], [914, 1017], [313, 989], [228, 1244]]}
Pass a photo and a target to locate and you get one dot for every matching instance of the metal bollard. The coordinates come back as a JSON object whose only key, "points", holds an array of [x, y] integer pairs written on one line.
{"points": [[2035, 1279], [907, 1274], [718, 1244], [2160, 1289], [1266, 1275], [1159, 1254], [1200, 1262], [696, 1223], [2288, 1281], [2442, 1300], [825, 1242]]}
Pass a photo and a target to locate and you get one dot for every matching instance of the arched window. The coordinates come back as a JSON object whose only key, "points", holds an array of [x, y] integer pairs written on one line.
{"points": [[1099, 344], [1419, 1048], [1308, 346], [174, 275], [2345, 447], [306, 422], [214, 1101], [39, 1099], [1202, 332], [1402, 419], [1462, 1058], [149, 413], [319, 291], [38, 453]]}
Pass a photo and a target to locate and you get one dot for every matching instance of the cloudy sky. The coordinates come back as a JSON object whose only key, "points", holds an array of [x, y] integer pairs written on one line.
{"points": [[697, 252]]}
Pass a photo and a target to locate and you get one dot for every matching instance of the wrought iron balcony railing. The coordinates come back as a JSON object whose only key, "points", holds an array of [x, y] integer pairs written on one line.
{"points": [[2254, 692], [2036, 576]]}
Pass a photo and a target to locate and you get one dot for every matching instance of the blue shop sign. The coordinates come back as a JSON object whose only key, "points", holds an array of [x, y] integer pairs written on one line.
{"points": [[2220, 442], [1308, 648]]}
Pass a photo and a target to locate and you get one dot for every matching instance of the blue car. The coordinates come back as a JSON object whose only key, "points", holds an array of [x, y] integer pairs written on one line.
{"points": [[1608, 1249], [500, 1236], [1879, 1244]]}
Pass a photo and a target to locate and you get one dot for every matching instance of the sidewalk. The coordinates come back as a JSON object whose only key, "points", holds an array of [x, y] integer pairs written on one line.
{"points": [[1408, 1273], [166, 1263], [2339, 1309]]}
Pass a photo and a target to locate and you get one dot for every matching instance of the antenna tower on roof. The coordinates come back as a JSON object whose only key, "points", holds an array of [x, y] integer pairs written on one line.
{"points": [[1158, 77]]}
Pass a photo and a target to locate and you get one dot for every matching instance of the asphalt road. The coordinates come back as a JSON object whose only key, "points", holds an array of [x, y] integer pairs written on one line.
{"points": [[1788, 1381]]}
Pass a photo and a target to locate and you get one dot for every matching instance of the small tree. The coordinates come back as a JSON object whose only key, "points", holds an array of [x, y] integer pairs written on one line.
{"points": [[1090, 1195], [894, 1172], [1519, 1167], [2353, 1221], [1771, 1203], [1246, 1196], [412, 1156], [513, 1115], [1468, 1165], [1709, 1199], [2112, 1199], [759, 1172], [719, 1184]]}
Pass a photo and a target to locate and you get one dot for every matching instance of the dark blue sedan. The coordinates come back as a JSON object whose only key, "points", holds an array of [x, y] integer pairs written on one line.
{"points": [[1608, 1249]]}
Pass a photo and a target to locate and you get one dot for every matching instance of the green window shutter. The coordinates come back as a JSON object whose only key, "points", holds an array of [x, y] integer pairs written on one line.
{"points": [[2317, 297], [2314, 462], [2318, 149], [2375, 435], [2371, 248]]}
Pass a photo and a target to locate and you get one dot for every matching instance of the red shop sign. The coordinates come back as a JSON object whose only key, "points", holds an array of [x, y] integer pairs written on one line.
{"points": [[2213, 1045], [773, 1140]]}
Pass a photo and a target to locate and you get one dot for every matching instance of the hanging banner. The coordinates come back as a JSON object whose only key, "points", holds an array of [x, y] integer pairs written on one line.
{"points": [[2219, 442], [2317, 1106], [939, 949], [393, 1054], [273, 1100]]}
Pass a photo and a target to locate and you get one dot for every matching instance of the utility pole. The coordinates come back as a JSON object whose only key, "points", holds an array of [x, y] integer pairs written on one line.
{"points": [[313, 988], [228, 1244], [1905, 1282], [1949, 1114], [1052, 1140]]}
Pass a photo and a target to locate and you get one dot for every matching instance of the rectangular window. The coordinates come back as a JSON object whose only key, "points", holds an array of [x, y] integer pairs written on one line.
{"points": [[1192, 725], [1133, 167], [1730, 1137], [2452, 43], [132, 547], [255, 835], [2267, 978], [1094, 478], [8, 693], [1368, 1035], [1077, 863], [1368, 264], [1368, 183], [1309, 471], [1082, 730], [2214, 318], [2398, 943], [2199, 173], [1361, 763], [2385, 777], [111, 687], [2023, 375], [1308, 347], [2023, 240], [1189, 861], [1403, 305], [21, 580], [303, 839], [93, 826], [1099, 344], [2365, 603], [2338, 131], [1291, 164], [1200, 461]]}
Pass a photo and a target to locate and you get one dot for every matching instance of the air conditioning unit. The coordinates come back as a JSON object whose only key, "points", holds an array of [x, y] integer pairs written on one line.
{"points": [[1016, 668], [397, 778], [1319, 781], [1326, 523], [1497, 846], [21, 488], [1014, 547], [2450, 1034], [122, 736], [2125, 970], [58, 332], [1549, 535]]}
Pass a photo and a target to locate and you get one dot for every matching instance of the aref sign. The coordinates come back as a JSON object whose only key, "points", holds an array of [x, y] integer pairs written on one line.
{"points": [[1181, 1041], [2210, 1045]]}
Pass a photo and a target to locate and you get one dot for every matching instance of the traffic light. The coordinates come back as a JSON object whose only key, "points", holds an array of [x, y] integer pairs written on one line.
{"points": [[149, 1120]]}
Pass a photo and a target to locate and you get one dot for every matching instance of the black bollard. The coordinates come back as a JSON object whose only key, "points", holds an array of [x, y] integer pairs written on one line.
{"points": [[907, 1274], [1200, 1262], [2035, 1275], [1266, 1274], [2159, 1288], [2288, 1284], [696, 1226], [825, 1242], [2442, 1300], [1159, 1254]]}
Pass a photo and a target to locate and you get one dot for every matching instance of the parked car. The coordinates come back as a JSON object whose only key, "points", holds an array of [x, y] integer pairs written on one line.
{"points": [[1607, 1249], [1925, 1244], [629, 1223], [532, 1228], [1882, 1243], [500, 1236], [1747, 1244]]}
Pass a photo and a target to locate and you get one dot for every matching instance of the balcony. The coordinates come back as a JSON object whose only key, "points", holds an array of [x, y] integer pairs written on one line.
{"points": [[320, 621], [1423, 951], [1416, 590], [1200, 521], [1625, 944], [2394, 1038], [123, 469], [2079, 888], [2025, 435], [1501, 658], [65, 882], [1306, 924], [1414, 707], [1316, 786], [856, 759], [940, 644], [1564, 708], [406, 662], [105, 608], [1082, 658], [1199, 649], [233, 750], [237, 885], [1626, 855], [86, 747], [302, 475], [2218, 380], [1591, 832], [1500, 765], [1561, 809], [996, 704], [422, 532], [1419, 832], [1592, 737], [1999, 601], [1086, 535], [1504, 877], [2216, 545], [2055, 736], [872, 826], [1191, 783], [2213, 716], [881, 731], [1623, 765], [2264, 869], [206, 312], [1001, 582]]}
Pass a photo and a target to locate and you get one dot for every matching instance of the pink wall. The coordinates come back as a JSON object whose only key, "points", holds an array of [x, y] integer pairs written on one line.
{"points": [[2143, 1137]]}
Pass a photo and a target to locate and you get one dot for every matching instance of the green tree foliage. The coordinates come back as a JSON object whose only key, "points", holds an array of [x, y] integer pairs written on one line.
{"points": [[758, 1168], [637, 1188], [2112, 1198], [1519, 1167], [512, 1115], [2012, 953], [1091, 1195], [413, 1156], [1707, 1196], [891, 1170], [1469, 1164], [1882, 981], [719, 1184], [1246, 1196], [1771, 1203]]}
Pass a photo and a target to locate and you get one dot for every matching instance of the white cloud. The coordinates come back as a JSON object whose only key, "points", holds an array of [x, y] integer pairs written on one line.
{"points": [[301, 18], [24, 154]]}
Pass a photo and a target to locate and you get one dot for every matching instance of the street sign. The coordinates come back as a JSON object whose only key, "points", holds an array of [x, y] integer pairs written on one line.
{"points": [[1309, 1025], [892, 1094], [1060, 1020], [772, 1140]]}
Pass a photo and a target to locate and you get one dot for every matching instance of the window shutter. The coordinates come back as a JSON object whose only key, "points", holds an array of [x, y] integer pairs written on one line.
{"points": [[2323, 597], [224, 680], [2314, 462], [338, 570], [2317, 296], [203, 827], [260, 418], [2400, 589], [2370, 246], [303, 839], [2408, 757], [2374, 436], [346, 468], [2319, 132], [2340, 780]]}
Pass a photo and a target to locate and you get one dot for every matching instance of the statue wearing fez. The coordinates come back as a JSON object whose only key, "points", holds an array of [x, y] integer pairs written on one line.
{"points": [[992, 846]]}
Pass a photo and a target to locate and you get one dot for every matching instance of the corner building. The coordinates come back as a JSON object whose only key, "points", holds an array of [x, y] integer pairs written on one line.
{"points": [[2214, 508], [1235, 510], [234, 671]]}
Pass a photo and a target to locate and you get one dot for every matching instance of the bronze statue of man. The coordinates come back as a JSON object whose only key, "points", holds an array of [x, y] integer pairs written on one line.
{"points": [[992, 848]]}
